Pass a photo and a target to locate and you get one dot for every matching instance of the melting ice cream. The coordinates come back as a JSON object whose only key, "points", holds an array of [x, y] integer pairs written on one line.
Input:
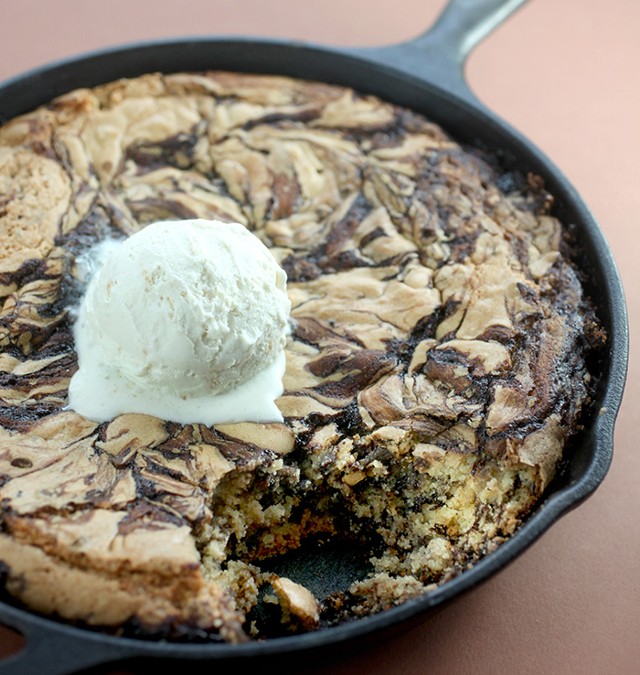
{"points": [[186, 321]]}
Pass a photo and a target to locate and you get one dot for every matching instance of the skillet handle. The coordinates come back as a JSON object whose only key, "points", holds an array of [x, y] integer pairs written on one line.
{"points": [[439, 54]]}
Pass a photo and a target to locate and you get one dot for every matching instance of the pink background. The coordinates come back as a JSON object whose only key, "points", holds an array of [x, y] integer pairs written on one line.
{"points": [[566, 74]]}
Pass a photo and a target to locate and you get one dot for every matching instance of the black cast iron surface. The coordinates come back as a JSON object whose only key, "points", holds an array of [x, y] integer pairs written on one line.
{"points": [[425, 74]]}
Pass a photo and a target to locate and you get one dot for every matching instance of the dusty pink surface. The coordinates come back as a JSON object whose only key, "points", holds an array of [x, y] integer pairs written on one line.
{"points": [[566, 74]]}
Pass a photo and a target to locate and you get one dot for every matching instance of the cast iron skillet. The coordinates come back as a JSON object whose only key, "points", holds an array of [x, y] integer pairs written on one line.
{"points": [[425, 74]]}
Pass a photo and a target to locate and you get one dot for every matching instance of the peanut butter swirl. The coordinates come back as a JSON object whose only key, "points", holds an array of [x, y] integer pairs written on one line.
{"points": [[436, 367]]}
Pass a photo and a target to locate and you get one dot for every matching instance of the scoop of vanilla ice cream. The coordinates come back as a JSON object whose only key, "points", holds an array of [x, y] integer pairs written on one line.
{"points": [[182, 313]]}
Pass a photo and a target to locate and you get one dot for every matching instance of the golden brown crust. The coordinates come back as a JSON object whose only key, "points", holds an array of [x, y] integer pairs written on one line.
{"points": [[36, 194], [435, 368]]}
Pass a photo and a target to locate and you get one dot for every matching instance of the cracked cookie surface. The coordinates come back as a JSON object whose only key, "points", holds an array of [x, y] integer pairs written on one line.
{"points": [[436, 367]]}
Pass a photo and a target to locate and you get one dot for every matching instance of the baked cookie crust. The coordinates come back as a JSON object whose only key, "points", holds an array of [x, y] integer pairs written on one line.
{"points": [[437, 366]]}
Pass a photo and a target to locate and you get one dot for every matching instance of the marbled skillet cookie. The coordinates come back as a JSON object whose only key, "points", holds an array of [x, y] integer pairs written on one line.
{"points": [[436, 366]]}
